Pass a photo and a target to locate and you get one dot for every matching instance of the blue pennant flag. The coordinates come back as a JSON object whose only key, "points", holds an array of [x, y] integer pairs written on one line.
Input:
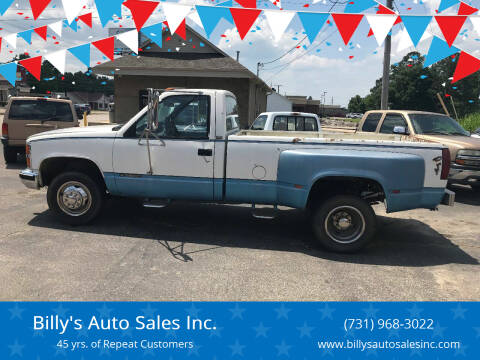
{"points": [[4, 5], [439, 50], [357, 6], [107, 8], [416, 26], [154, 33], [210, 17], [73, 25], [312, 23], [82, 53], [445, 4], [26, 35], [9, 72]]}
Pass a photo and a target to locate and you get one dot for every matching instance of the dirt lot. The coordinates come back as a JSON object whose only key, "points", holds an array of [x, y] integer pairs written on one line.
{"points": [[215, 252]]}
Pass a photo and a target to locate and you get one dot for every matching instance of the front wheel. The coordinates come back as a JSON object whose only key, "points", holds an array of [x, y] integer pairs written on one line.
{"points": [[75, 197], [343, 223]]}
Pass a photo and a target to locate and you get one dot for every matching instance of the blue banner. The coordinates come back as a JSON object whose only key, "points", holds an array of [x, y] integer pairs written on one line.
{"points": [[254, 330]]}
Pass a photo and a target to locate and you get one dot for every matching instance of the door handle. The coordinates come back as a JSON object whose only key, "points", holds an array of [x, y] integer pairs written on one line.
{"points": [[205, 152]]}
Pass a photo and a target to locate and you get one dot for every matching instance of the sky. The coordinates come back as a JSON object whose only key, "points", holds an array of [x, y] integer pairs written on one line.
{"points": [[325, 66]]}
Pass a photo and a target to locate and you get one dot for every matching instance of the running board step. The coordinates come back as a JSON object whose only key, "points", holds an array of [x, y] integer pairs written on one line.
{"points": [[267, 212], [156, 203]]}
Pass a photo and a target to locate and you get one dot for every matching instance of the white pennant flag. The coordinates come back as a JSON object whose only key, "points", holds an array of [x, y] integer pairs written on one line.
{"points": [[475, 22], [195, 18], [11, 39], [381, 25], [405, 41], [130, 38], [58, 59], [175, 14], [72, 8], [278, 21], [57, 27]]}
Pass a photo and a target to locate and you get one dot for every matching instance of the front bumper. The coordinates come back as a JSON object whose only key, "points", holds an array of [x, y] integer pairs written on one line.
{"points": [[29, 178], [463, 175]]}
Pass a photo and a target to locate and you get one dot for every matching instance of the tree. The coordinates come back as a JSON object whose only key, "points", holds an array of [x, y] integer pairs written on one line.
{"points": [[356, 104], [413, 87]]}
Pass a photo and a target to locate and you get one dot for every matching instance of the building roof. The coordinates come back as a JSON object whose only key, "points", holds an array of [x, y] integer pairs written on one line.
{"points": [[200, 58]]}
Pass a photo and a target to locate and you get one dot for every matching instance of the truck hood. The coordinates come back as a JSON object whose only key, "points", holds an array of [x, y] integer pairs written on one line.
{"points": [[453, 142], [89, 131]]}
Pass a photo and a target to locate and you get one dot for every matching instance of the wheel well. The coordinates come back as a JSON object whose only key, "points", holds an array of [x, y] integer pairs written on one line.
{"points": [[50, 168], [367, 189]]}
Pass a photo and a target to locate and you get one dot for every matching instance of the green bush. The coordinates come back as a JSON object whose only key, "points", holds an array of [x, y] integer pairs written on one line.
{"points": [[471, 122]]}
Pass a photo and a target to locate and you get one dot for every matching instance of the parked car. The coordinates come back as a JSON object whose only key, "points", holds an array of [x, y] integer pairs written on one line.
{"points": [[25, 116], [286, 121], [81, 109], [198, 158], [354, 116], [476, 133], [435, 128]]}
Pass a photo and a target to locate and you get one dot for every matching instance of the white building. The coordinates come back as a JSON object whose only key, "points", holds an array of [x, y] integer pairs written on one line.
{"points": [[277, 102]]}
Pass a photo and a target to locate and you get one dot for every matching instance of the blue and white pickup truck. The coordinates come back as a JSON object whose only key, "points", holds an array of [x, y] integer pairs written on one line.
{"points": [[183, 146]]}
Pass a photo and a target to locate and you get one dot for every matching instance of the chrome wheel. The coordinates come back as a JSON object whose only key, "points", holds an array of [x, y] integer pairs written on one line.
{"points": [[344, 224], [74, 198]]}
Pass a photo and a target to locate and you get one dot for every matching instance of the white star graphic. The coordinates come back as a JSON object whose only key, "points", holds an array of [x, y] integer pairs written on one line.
{"points": [[371, 312], [104, 311], [305, 330], [237, 312], [237, 349], [282, 311], [61, 311], [438, 331], [16, 349], [283, 348], [261, 330], [16, 312], [415, 311], [459, 312], [193, 311], [149, 311], [327, 312]]}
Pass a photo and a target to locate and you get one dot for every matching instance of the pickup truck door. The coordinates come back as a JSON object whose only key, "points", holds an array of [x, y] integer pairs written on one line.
{"points": [[181, 152]]}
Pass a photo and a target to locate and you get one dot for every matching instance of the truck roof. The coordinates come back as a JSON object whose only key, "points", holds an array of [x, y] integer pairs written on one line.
{"points": [[403, 112], [288, 113], [39, 98]]}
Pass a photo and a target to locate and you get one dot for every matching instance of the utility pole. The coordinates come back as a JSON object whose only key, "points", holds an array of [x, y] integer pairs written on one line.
{"points": [[278, 88], [238, 55], [386, 66]]}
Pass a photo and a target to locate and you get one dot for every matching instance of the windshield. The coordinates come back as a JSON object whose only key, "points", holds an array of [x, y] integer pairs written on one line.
{"points": [[436, 124]]}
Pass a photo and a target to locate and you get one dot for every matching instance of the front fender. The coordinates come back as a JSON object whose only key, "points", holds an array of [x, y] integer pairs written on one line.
{"points": [[299, 170]]}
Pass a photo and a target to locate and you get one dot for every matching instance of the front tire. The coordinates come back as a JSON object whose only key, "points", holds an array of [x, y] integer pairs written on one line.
{"points": [[10, 154], [75, 197], [343, 223]]}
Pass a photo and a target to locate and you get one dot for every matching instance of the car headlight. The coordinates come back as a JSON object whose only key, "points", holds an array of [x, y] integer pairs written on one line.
{"points": [[468, 153]]}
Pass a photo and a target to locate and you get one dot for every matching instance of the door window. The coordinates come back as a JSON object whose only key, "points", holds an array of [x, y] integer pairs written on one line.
{"points": [[390, 121], [371, 122], [184, 117], [41, 110], [259, 123], [232, 114]]}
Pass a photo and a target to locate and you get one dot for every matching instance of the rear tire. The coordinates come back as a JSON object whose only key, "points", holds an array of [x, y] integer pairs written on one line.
{"points": [[10, 154], [343, 223], [75, 197]]}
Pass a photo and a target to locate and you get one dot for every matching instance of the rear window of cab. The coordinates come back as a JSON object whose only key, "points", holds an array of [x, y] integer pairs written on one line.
{"points": [[294, 123]]}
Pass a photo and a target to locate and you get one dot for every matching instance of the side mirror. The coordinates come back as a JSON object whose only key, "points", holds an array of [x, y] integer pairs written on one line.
{"points": [[401, 130]]}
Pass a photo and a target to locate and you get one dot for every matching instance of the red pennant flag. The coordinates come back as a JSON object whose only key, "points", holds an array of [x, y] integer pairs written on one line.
{"points": [[42, 32], [466, 65], [182, 30], [244, 19], [384, 10], [347, 24], [33, 65], [141, 11], [252, 4], [465, 9], [0, 44], [86, 19], [38, 6], [106, 46], [450, 26], [370, 32], [398, 21]]}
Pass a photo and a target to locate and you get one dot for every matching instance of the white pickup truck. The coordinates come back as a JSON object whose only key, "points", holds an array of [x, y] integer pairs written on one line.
{"points": [[182, 146]]}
